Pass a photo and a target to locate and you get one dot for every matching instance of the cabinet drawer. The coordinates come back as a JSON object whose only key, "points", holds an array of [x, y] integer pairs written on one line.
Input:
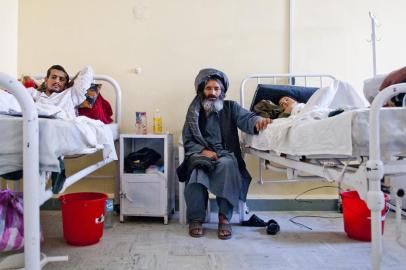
{"points": [[144, 194]]}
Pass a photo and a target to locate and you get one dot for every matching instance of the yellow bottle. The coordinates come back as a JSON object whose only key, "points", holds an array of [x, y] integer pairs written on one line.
{"points": [[157, 122]]}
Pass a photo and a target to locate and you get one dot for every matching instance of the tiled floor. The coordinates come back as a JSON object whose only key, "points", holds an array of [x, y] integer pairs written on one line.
{"points": [[148, 244]]}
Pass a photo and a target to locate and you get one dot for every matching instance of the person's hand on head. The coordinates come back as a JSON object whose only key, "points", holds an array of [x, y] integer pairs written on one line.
{"points": [[397, 76], [209, 154], [262, 123]]}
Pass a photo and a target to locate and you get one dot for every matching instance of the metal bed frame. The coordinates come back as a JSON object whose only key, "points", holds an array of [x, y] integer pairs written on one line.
{"points": [[366, 178], [35, 195]]}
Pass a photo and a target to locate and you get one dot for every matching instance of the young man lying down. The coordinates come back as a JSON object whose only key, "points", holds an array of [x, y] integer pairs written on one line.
{"points": [[58, 96], [57, 91]]}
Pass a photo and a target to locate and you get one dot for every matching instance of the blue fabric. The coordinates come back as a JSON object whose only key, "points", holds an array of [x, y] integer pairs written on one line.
{"points": [[275, 92]]}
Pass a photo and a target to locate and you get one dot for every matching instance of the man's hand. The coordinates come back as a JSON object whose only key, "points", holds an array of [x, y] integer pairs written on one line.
{"points": [[397, 76], [262, 123], [210, 154]]}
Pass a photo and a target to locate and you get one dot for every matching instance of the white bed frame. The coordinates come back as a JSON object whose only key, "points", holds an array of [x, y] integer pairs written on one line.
{"points": [[35, 195], [366, 179]]}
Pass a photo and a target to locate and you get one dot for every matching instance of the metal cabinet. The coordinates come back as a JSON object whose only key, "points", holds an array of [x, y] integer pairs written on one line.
{"points": [[150, 192]]}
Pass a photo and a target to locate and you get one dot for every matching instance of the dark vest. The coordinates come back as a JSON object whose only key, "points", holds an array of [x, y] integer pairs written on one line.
{"points": [[231, 142]]}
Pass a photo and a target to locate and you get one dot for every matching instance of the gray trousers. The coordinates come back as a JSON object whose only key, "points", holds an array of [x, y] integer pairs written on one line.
{"points": [[196, 197]]}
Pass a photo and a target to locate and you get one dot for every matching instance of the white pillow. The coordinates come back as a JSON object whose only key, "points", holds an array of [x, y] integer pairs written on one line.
{"points": [[371, 86], [320, 99], [337, 95], [347, 96], [8, 102]]}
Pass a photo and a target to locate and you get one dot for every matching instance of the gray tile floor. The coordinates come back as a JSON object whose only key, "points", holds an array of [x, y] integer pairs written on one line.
{"points": [[148, 244]]}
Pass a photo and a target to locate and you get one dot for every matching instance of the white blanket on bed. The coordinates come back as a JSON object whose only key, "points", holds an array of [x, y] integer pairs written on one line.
{"points": [[315, 137], [56, 138]]}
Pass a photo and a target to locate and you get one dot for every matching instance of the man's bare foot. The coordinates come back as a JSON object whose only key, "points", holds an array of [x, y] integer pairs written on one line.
{"points": [[196, 228], [224, 229]]}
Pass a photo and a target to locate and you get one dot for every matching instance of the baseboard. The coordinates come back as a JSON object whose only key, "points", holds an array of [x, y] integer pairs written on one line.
{"points": [[286, 205], [253, 205]]}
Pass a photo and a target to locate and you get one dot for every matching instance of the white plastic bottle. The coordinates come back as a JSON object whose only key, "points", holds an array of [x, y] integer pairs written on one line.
{"points": [[157, 122], [108, 214]]}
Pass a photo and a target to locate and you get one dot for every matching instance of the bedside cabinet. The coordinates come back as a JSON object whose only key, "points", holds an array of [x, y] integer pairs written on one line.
{"points": [[150, 192]]}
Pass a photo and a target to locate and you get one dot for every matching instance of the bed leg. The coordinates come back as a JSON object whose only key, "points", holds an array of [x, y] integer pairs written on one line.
{"points": [[375, 202]]}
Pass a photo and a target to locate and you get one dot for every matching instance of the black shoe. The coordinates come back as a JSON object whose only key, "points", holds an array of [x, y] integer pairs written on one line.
{"points": [[273, 227], [254, 221]]}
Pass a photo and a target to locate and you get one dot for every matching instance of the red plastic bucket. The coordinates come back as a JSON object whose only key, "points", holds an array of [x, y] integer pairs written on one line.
{"points": [[357, 216], [83, 217]]}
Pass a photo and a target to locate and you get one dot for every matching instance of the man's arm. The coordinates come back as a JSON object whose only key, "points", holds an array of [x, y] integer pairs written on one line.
{"points": [[397, 76], [249, 122], [80, 85]]}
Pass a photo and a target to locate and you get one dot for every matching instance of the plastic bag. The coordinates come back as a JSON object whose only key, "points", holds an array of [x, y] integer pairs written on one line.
{"points": [[11, 220], [141, 160]]}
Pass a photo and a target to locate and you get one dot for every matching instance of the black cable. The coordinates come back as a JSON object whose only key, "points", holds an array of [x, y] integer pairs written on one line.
{"points": [[307, 227], [305, 201]]}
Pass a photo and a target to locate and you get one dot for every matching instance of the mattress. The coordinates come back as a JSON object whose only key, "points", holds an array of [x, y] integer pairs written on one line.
{"points": [[346, 134], [57, 138]]}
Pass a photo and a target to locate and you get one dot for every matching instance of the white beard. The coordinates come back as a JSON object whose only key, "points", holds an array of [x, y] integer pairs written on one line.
{"points": [[212, 106]]}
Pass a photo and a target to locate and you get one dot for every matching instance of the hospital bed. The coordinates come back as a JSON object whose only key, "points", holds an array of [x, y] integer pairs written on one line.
{"points": [[373, 147], [35, 190]]}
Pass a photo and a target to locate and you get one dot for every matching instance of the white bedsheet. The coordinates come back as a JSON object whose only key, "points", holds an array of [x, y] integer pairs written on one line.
{"points": [[56, 138], [311, 132], [343, 135]]}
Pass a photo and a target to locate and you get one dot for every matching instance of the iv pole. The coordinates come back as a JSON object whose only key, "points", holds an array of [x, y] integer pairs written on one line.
{"points": [[374, 24]]}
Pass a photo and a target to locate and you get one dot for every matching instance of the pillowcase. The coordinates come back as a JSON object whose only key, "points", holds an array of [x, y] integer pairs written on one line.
{"points": [[371, 86], [335, 96], [91, 96], [275, 92]]}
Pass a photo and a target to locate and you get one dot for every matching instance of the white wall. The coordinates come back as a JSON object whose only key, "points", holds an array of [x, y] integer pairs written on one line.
{"points": [[333, 38], [9, 34], [171, 40]]}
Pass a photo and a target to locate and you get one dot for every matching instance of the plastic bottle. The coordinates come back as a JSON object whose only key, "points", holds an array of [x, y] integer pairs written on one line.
{"points": [[108, 214], [157, 122]]}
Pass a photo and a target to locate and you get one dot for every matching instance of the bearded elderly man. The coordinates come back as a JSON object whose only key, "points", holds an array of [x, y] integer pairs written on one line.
{"points": [[210, 131]]}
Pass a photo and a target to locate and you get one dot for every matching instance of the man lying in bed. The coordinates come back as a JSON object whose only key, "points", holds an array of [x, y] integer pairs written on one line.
{"points": [[58, 93]]}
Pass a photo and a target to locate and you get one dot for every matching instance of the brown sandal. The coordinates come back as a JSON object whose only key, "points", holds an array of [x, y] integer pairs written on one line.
{"points": [[194, 227], [225, 228]]}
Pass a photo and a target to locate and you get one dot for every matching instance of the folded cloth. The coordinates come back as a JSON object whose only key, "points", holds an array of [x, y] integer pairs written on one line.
{"points": [[273, 227], [254, 221], [196, 161]]}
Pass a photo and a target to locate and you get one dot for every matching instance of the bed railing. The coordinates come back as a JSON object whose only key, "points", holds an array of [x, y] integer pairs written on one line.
{"points": [[33, 189], [31, 168], [367, 178], [290, 79], [375, 171], [274, 76]]}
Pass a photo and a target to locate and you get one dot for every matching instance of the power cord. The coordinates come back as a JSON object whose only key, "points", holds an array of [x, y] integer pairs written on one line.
{"points": [[307, 201], [304, 226]]}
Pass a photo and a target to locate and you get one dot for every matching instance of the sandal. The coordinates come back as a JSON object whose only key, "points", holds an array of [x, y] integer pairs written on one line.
{"points": [[194, 227], [254, 221], [225, 228]]}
